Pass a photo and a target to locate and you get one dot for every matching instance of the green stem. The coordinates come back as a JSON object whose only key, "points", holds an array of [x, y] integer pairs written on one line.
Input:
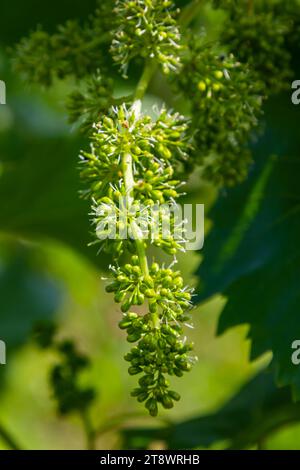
{"points": [[127, 166], [89, 431], [122, 99], [261, 444], [8, 439], [129, 187], [138, 238], [137, 235], [250, 7], [142, 86], [189, 13], [128, 178], [148, 72], [98, 41]]}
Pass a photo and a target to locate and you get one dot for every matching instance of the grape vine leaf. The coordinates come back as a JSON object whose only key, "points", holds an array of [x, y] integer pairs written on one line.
{"points": [[252, 256], [39, 192], [39, 175], [27, 296]]}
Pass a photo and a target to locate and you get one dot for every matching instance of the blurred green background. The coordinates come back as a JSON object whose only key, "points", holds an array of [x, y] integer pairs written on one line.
{"points": [[48, 272]]}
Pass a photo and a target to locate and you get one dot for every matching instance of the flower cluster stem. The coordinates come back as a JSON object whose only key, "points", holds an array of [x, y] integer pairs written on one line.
{"points": [[148, 72], [127, 164], [189, 13], [129, 186], [141, 88]]}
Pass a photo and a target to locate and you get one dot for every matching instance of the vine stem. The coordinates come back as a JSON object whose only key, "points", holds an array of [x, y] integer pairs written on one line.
{"points": [[136, 232], [261, 444], [89, 431], [127, 166], [148, 72], [8, 439], [129, 188], [189, 13], [250, 7]]}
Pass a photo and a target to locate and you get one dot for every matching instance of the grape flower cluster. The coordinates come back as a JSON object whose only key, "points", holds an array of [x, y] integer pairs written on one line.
{"points": [[147, 28], [129, 165], [258, 34], [226, 104]]}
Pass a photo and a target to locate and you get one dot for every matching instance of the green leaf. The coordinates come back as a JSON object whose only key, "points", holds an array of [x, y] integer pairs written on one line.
{"points": [[258, 409], [252, 254], [39, 175], [27, 296], [17, 18], [39, 193]]}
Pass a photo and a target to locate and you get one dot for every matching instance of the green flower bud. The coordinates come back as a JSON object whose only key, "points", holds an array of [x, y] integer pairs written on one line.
{"points": [[106, 200], [178, 372], [170, 193], [136, 362], [152, 307], [167, 281], [171, 340], [148, 281], [108, 122], [154, 268], [134, 370], [174, 395], [126, 306], [185, 295], [132, 315], [132, 338], [140, 298], [142, 397], [219, 74], [124, 324], [164, 292], [151, 405], [150, 293], [135, 260], [164, 151], [202, 85], [178, 282], [136, 270], [112, 287], [157, 195], [167, 402], [146, 380], [119, 296], [162, 381], [128, 268]]}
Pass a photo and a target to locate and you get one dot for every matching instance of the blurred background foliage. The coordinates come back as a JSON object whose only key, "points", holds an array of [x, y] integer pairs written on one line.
{"points": [[47, 272]]}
